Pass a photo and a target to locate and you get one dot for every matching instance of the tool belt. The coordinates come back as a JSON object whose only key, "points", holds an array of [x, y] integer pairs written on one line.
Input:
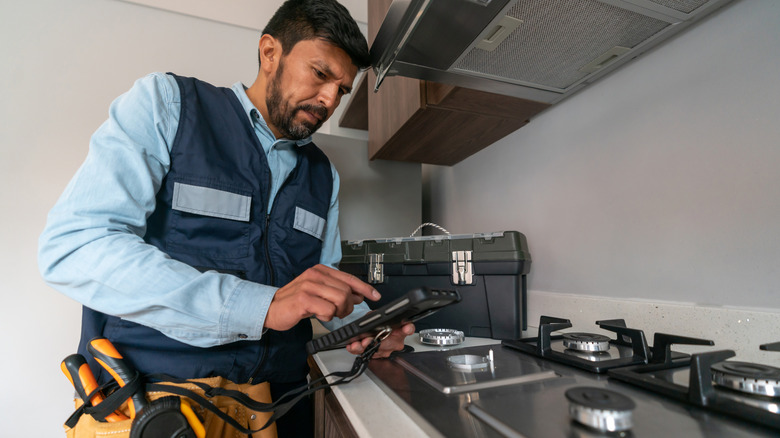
{"points": [[161, 406], [214, 426]]}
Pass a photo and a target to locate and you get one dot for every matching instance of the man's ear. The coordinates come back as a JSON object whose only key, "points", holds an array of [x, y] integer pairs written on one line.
{"points": [[270, 52]]}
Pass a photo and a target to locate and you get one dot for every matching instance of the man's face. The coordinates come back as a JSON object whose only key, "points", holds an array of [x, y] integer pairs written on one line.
{"points": [[307, 87]]}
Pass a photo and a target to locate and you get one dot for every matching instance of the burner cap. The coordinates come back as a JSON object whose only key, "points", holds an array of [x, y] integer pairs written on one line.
{"points": [[469, 362], [441, 337], [600, 409], [585, 342], [751, 378], [590, 356]]}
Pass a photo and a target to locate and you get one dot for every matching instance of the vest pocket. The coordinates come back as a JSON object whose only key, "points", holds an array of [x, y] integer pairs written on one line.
{"points": [[210, 221], [308, 222], [211, 202]]}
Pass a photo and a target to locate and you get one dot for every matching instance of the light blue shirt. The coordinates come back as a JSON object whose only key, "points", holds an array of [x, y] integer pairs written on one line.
{"points": [[92, 248]]}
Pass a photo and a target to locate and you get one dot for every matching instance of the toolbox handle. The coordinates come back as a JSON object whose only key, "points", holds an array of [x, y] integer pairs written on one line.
{"points": [[429, 224]]}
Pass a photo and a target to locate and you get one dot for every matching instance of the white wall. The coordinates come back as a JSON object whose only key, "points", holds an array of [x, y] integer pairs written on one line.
{"points": [[62, 63], [378, 198], [659, 182]]}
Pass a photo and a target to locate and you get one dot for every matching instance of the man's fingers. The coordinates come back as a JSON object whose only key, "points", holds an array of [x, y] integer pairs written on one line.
{"points": [[318, 287], [355, 347], [287, 309], [343, 289], [323, 310], [323, 307], [320, 291], [408, 329], [394, 342], [355, 284]]}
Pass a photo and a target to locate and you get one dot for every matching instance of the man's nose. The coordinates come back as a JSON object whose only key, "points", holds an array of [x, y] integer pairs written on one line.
{"points": [[329, 96]]}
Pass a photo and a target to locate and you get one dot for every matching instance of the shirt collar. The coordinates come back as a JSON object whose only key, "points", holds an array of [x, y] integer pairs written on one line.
{"points": [[257, 119]]}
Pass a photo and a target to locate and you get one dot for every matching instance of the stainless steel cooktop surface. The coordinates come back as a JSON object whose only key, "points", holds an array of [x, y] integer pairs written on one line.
{"points": [[498, 390]]}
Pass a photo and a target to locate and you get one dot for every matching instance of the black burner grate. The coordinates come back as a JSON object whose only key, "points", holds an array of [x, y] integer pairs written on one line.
{"points": [[630, 346], [700, 390]]}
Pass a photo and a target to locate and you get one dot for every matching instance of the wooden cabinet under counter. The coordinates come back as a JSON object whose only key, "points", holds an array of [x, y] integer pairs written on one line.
{"points": [[428, 122], [330, 421]]}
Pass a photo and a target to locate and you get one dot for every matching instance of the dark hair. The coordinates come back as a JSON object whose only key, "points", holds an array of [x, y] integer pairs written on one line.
{"points": [[298, 20]]}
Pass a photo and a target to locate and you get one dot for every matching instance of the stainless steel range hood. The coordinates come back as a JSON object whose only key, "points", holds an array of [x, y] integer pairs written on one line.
{"points": [[542, 50]]}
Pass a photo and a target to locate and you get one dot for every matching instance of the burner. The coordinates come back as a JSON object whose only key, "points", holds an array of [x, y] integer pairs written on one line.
{"points": [[472, 362], [443, 337], [600, 409], [585, 342], [751, 378]]}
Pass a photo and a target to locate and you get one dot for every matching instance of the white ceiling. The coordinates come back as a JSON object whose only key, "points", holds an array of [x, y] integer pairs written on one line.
{"points": [[252, 14]]}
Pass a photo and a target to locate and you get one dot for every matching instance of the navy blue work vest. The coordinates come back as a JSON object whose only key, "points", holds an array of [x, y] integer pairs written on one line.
{"points": [[211, 214]]}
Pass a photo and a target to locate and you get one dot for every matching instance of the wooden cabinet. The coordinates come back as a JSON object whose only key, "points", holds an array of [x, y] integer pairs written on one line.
{"points": [[428, 122], [330, 421]]}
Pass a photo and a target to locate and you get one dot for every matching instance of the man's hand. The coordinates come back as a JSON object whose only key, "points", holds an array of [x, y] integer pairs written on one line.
{"points": [[320, 291], [394, 342]]}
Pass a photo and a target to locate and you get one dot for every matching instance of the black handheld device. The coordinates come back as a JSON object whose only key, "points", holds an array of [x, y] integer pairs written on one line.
{"points": [[416, 304]]}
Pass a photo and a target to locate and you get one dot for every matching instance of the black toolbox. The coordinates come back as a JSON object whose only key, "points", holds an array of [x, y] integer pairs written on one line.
{"points": [[487, 269]]}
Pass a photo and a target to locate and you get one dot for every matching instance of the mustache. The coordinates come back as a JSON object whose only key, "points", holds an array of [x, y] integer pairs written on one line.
{"points": [[318, 110]]}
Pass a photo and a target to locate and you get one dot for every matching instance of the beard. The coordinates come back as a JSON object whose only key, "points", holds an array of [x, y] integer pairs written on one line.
{"points": [[282, 115]]}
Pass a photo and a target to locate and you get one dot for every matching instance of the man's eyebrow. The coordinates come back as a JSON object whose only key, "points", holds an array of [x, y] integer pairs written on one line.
{"points": [[326, 69]]}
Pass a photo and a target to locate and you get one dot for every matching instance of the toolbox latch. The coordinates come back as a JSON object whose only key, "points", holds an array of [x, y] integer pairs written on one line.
{"points": [[376, 273], [462, 269]]}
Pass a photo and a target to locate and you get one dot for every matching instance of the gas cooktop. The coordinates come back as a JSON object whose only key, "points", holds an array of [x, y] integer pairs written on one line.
{"points": [[579, 385]]}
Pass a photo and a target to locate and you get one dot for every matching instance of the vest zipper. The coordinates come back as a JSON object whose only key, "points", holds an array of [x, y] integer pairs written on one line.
{"points": [[268, 250], [263, 356], [266, 343], [271, 279]]}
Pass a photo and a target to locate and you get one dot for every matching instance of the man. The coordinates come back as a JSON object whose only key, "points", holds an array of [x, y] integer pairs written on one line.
{"points": [[201, 232]]}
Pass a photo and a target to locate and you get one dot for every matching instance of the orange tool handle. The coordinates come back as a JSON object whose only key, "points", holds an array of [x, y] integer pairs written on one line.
{"points": [[77, 370], [192, 419], [106, 355]]}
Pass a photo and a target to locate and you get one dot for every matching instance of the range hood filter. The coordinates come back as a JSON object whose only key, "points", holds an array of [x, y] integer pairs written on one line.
{"points": [[556, 40]]}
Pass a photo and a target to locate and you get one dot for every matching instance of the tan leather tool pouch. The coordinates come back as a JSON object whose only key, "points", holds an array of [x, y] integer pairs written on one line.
{"points": [[88, 427]]}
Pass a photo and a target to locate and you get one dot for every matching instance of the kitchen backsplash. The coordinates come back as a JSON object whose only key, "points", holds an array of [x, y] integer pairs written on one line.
{"points": [[741, 330]]}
